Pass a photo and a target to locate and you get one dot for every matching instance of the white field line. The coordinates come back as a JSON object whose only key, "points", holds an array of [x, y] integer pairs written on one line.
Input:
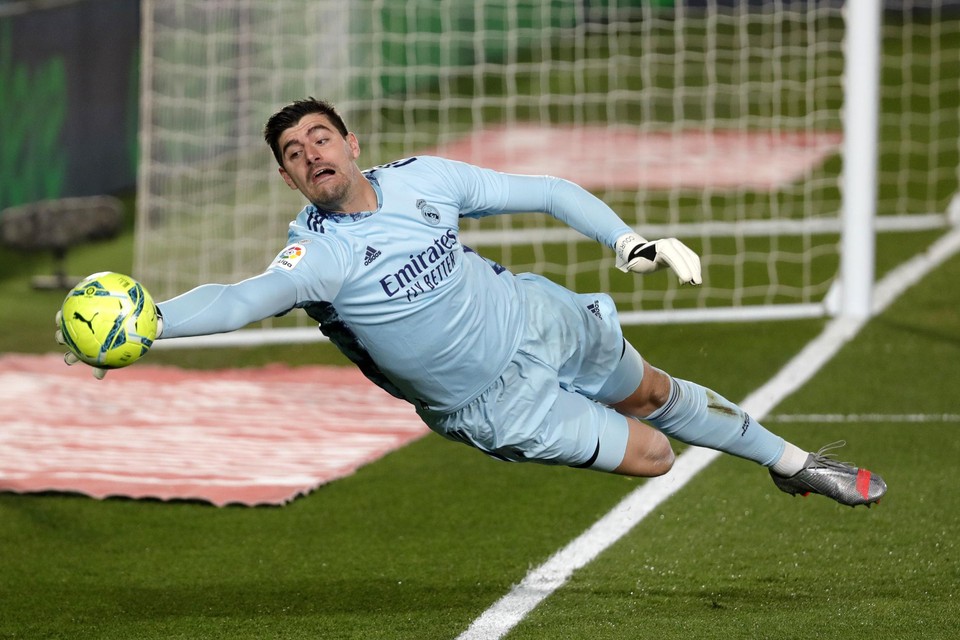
{"points": [[542, 581]]}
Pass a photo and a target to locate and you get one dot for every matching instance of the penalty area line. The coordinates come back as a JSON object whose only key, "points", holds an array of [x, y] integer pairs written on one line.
{"points": [[507, 612], [542, 581]]}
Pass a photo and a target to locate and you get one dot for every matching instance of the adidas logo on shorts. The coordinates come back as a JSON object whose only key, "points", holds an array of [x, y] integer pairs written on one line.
{"points": [[371, 255]]}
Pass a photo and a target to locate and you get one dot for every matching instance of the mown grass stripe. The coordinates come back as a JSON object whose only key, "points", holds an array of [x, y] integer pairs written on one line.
{"points": [[863, 417]]}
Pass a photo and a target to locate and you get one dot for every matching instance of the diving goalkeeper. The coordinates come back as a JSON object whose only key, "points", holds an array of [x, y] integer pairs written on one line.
{"points": [[512, 364]]}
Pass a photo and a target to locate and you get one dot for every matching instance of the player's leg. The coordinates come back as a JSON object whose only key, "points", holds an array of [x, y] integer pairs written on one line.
{"points": [[699, 416], [647, 453], [692, 414], [526, 417], [579, 432]]}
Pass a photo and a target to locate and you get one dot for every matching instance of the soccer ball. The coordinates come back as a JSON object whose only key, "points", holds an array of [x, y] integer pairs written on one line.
{"points": [[108, 320]]}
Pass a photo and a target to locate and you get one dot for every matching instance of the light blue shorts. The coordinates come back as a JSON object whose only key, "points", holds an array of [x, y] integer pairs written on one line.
{"points": [[549, 406]]}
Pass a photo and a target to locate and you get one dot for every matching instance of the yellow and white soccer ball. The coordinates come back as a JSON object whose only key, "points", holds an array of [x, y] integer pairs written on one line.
{"points": [[109, 320]]}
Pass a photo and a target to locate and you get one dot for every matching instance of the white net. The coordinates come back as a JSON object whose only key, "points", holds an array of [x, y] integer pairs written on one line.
{"points": [[719, 122]]}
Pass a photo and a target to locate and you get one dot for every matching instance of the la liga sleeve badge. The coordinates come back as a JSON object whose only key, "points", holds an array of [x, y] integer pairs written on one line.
{"points": [[290, 256]]}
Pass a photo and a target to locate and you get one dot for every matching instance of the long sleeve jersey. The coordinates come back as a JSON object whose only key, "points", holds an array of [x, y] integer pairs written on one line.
{"points": [[439, 321]]}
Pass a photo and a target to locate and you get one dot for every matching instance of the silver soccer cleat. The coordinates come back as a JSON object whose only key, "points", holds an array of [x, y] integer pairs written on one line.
{"points": [[825, 476]]}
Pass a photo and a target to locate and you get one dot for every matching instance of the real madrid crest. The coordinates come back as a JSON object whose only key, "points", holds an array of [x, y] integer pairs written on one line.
{"points": [[429, 212]]}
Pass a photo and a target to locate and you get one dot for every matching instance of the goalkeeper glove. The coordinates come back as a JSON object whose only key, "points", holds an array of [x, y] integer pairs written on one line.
{"points": [[636, 253]]}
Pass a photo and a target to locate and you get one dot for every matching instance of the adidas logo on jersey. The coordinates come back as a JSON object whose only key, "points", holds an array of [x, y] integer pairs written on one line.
{"points": [[594, 308], [371, 255]]}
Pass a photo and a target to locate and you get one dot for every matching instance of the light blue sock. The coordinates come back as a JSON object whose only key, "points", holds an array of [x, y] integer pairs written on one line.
{"points": [[696, 415]]}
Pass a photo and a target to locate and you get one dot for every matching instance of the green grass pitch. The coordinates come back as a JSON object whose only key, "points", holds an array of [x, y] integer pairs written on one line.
{"points": [[420, 543]]}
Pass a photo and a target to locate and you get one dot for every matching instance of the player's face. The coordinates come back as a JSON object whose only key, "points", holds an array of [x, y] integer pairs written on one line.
{"points": [[321, 163]]}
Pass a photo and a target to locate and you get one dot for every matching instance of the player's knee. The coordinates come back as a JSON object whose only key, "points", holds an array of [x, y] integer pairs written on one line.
{"points": [[653, 393], [651, 457], [659, 388], [662, 458]]}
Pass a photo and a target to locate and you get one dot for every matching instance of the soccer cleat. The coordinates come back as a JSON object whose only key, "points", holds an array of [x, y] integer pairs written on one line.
{"points": [[825, 476]]}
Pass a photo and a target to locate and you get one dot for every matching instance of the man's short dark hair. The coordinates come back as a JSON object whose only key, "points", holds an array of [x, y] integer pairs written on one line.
{"points": [[291, 114]]}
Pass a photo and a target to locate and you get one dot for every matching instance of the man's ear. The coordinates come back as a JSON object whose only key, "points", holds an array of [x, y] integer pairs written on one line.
{"points": [[354, 145], [286, 178]]}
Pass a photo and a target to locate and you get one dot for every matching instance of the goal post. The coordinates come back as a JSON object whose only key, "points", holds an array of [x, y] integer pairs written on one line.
{"points": [[860, 126], [779, 139]]}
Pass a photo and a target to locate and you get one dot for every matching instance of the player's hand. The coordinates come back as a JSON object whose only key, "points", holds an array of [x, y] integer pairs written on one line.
{"points": [[69, 357], [636, 253]]}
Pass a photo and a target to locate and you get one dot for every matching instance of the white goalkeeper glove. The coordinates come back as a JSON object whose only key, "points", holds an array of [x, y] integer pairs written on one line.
{"points": [[636, 253]]}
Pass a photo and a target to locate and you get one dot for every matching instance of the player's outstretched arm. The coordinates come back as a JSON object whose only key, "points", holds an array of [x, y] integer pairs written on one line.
{"points": [[636, 253], [211, 308], [578, 208], [220, 308]]}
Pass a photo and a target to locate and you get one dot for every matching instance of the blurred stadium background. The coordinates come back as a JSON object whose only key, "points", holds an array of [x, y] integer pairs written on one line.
{"points": [[727, 118]]}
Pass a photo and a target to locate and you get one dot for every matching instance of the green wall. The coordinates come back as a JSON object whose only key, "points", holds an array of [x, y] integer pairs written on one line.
{"points": [[68, 100]]}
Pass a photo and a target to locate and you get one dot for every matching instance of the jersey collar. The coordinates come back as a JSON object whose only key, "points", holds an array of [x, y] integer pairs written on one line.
{"points": [[316, 216]]}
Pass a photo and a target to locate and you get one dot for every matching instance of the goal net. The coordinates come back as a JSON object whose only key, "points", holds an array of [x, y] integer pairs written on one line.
{"points": [[719, 122]]}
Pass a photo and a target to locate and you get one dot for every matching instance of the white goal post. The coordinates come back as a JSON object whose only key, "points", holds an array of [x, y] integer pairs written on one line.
{"points": [[777, 138]]}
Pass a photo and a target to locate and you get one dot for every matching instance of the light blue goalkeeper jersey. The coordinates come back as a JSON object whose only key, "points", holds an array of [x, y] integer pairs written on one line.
{"points": [[437, 319]]}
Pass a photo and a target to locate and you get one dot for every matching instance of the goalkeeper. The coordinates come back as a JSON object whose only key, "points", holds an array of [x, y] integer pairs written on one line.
{"points": [[514, 365]]}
